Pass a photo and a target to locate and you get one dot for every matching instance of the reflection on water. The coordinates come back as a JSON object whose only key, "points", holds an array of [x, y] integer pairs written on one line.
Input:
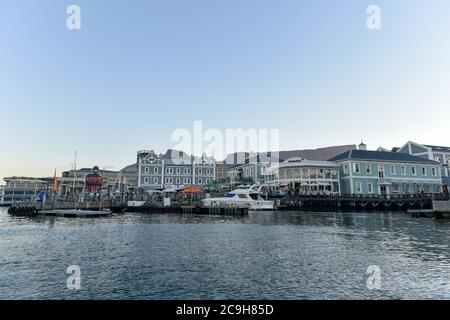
{"points": [[266, 255]]}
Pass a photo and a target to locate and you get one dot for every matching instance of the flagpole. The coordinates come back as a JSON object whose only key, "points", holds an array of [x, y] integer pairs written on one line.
{"points": [[55, 189]]}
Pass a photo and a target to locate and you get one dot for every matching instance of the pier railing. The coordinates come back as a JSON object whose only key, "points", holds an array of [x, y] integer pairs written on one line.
{"points": [[363, 197], [361, 202]]}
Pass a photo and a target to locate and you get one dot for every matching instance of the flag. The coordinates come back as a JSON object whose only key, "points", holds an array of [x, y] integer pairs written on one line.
{"points": [[55, 183]]}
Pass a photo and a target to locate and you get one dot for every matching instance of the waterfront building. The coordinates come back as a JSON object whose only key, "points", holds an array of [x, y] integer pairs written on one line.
{"points": [[388, 173], [95, 179], [22, 189], [258, 168], [436, 153], [174, 169], [221, 171], [304, 176], [248, 171]]}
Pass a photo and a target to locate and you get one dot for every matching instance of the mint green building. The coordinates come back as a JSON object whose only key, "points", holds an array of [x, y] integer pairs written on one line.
{"points": [[387, 173]]}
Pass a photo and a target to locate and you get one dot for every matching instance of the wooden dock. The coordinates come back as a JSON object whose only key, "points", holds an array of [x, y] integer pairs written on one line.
{"points": [[190, 209], [72, 213], [360, 202]]}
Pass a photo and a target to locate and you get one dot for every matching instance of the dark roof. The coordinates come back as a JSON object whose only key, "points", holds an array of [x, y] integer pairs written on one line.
{"points": [[438, 148], [320, 154], [380, 156], [173, 156]]}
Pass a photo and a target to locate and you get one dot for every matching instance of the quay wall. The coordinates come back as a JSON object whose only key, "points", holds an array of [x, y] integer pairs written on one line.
{"points": [[441, 206]]}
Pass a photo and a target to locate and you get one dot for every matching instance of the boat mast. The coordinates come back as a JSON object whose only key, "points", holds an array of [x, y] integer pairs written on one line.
{"points": [[74, 172]]}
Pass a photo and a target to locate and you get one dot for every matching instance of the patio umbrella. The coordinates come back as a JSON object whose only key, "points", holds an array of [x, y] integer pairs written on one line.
{"points": [[191, 190]]}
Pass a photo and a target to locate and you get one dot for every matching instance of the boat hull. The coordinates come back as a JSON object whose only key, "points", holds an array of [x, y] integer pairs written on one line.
{"points": [[251, 205]]}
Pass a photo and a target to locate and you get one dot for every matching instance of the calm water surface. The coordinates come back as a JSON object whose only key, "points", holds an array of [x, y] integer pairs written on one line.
{"points": [[270, 255]]}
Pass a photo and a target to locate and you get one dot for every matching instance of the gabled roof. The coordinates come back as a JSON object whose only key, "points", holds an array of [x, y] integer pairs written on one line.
{"points": [[433, 147], [438, 148], [173, 156], [380, 156]]}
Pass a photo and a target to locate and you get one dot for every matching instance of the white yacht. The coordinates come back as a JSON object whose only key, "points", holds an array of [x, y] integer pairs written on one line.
{"points": [[243, 196]]}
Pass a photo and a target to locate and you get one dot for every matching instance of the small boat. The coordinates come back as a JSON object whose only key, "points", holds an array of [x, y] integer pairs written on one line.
{"points": [[244, 196]]}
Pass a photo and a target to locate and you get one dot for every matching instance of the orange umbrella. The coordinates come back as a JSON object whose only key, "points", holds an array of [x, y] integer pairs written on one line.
{"points": [[191, 190]]}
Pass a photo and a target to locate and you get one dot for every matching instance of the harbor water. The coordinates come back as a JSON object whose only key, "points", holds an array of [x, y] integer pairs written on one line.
{"points": [[265, 255]]}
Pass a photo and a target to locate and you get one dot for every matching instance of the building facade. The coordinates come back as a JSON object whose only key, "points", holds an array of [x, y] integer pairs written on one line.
{"points": [[221, 171], [252, 168], [174, 169], [88, 180], [430, 152], [23, 189], [248, 170], [305, 176], [387, 173]]}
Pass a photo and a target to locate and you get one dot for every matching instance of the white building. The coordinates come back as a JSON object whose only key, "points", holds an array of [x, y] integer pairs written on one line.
{"points": [[306, 176]]}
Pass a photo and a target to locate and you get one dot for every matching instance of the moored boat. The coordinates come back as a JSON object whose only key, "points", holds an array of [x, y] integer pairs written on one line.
{"points": [[245, 196]]}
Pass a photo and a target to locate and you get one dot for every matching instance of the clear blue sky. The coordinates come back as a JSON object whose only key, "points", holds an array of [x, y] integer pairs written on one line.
{"points": [[137, 70]]}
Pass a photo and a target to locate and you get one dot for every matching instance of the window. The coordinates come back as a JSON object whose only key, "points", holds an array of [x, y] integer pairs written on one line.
{"points": [[155, 180], [368, 168], [208, 171], [169, 170], [416, 188], [178, 181], [187, 171], [146, 170], [199, 180], [437, 188], [403, 170], [200, 171], [356, 168], [207, 181], [413, 171], [405, 188], [155, 170], [370, 187], [433, 172], [381, 171], [392, 170], [146, 180], [426, 188], [395, 187], [358, 187], [187, 181], [424, 171], [345, 169], [178, 170]]}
